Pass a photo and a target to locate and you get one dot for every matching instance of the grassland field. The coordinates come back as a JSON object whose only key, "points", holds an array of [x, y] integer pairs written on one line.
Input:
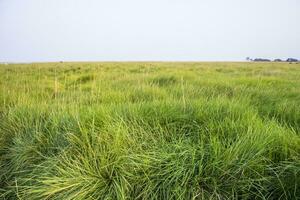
{"points": [[164, 130]]}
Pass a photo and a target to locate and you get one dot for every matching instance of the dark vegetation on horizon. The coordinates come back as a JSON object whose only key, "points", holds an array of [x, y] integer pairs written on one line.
{"points": [[290, 60]]}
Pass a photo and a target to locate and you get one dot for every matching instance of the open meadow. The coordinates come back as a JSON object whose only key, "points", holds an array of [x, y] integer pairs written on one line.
{"points": [[150, 130]]}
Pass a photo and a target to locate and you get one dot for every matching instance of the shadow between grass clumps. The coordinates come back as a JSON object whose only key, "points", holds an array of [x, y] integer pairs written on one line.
{"points": [[164, 80], [81, 80]]}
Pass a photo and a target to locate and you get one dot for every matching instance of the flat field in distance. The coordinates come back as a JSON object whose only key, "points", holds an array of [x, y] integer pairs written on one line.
{"points": [[150, 131]]}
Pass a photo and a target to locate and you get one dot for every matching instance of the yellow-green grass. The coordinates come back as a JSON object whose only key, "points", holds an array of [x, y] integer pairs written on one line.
{"points": [[150, 131]]}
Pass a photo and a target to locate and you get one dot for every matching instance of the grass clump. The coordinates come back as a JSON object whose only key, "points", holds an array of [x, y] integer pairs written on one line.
{"points": [[149, 131]]}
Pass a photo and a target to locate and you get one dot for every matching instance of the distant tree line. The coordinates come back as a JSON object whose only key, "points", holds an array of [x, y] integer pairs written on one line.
{"points": [[275, 60]]}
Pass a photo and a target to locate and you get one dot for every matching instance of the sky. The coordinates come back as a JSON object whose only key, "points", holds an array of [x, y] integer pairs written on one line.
{"points": [[152, 30]]}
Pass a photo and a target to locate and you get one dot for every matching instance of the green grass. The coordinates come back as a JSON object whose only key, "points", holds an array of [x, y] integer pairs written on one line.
{"points": [[150, 131]]}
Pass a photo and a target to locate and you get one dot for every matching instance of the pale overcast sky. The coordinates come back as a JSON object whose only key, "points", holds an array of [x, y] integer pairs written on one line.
{"points": [[132, 30]]}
